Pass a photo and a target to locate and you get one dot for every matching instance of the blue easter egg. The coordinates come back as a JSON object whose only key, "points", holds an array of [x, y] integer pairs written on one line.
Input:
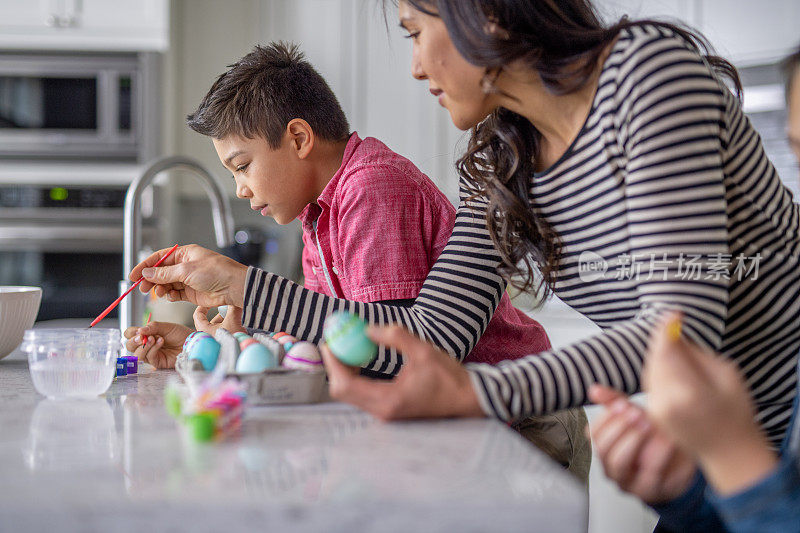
{"points": [[256, 358], [188, 340], [206, 350], [346, 336]]}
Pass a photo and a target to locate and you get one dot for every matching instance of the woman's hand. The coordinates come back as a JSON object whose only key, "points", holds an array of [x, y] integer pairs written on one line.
{"points": [[232, 321], [430, 384], [164, 342], [700, 400], [193, 274], [639, 457]]}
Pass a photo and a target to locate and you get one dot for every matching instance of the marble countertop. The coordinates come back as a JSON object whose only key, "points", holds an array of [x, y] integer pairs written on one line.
{"points": [[120, 463]]}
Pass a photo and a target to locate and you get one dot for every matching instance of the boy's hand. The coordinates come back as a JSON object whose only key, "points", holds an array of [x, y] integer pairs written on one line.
{"points": [[164, 342], [231, 322], [193, 274], [430, 385], [639, 457], [701, 401]]}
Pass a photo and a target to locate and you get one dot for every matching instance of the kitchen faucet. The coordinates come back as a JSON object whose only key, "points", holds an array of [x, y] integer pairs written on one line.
{"points": [[130, 308]]}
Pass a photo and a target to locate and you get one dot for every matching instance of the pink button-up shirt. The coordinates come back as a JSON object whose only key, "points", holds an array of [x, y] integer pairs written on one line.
{"points": [[375, 232]]}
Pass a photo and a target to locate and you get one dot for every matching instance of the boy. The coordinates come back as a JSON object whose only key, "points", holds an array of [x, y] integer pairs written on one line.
{"points": [[373, 223]]}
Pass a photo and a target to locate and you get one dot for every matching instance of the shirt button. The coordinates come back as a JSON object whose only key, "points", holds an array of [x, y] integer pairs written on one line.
{"points": [[335, 271]]}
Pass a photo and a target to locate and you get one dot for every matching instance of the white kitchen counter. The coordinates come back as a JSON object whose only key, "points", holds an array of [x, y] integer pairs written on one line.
{"points": [[120, 463]]}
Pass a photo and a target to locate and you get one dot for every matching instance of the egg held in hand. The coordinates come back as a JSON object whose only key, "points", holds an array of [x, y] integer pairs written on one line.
{"points": [[346, 336]]}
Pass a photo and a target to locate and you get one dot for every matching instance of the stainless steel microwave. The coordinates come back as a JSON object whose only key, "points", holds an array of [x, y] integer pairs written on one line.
{"points": [[70, 106]]}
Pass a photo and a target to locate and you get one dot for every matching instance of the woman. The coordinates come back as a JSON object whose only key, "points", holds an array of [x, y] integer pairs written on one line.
{"points": [[614, 162]]}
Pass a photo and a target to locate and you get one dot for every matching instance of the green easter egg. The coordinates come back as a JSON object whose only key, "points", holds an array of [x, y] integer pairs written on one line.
{"points": [[346, 335]]}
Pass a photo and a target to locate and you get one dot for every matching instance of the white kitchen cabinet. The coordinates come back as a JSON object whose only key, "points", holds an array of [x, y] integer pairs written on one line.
{"points": [[743, 31], [96, 25], [751, 33]]}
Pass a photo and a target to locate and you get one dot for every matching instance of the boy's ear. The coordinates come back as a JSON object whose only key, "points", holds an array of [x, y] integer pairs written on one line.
{"points": [[301, 136]]}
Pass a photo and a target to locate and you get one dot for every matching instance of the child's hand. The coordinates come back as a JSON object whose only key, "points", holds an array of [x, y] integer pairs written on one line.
{"points": [[700, 400], [639, 457], [231, 322], [164, 342]]}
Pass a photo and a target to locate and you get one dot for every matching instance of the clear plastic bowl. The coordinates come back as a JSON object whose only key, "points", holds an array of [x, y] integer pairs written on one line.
{"points": [[72, 363]]}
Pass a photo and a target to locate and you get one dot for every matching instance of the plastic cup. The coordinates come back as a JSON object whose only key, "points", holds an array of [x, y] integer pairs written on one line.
{"points": [[72, 363]]}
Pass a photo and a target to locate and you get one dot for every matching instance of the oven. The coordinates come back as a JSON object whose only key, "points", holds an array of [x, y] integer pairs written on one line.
{"points": [[66, 240]]}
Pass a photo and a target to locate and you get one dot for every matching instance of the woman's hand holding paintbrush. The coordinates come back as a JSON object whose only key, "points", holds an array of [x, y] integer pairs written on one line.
{"points": [[193, 274], [139, 279]]}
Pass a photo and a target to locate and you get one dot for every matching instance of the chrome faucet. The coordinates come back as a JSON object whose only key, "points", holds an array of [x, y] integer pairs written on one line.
{"points": [[130, 308]]}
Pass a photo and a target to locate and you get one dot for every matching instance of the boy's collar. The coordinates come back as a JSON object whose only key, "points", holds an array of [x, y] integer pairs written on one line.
{"points": [[314, 210]]}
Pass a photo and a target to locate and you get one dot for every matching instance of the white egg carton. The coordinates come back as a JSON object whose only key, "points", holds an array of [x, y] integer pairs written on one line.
{"points": [[274, 386]]}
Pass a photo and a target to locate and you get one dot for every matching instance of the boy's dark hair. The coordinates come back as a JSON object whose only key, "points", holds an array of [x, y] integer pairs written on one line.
{"points": [[263, 91], [791, 68]]}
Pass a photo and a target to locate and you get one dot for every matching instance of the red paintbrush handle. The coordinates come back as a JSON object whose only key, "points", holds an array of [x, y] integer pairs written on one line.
{"points": [[118, 300], [115, 303]]}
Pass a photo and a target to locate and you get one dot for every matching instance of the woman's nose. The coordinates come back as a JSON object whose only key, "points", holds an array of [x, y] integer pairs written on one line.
{"points": [[416, 67]]}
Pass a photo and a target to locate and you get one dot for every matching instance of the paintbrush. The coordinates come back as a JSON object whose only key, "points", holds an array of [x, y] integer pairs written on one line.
{"points": [[116, 302]]}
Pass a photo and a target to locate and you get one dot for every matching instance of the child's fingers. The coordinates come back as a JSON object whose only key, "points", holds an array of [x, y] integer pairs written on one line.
{"points": [[620, 417], [621, 460], [151, 350], [600, 394], [200, 317], [132, 345], [670, 361], [655, 460], [217, 319]]}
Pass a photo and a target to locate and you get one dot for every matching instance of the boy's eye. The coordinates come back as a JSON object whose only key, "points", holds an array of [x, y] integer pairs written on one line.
{"points": [[412, 35], [240, 168]]}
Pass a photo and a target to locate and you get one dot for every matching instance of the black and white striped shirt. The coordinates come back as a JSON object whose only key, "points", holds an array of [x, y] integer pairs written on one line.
{"points": [[665, 200]]}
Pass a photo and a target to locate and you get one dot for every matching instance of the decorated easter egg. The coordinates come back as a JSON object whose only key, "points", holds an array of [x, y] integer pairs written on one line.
{"points": [[256, 358], [247, 342], [240, 336], [188, 340], [286, 339], [303, 355], [346, 335], [194, 338], [205, 349]]}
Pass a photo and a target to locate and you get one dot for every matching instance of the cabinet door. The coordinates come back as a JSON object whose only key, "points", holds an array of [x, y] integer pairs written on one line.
{"points": [[748, 32], [142, 24], [105, 25]]}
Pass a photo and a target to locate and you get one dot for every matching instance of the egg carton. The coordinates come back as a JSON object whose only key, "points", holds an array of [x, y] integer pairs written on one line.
{"points": [[274, 386]]}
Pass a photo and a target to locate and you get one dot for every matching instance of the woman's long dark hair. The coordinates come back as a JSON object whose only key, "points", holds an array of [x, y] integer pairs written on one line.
{"points": [[562, 40]]}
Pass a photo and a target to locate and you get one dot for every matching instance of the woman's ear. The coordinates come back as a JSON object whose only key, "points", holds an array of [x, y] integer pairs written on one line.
{"points": [[301, 136]]}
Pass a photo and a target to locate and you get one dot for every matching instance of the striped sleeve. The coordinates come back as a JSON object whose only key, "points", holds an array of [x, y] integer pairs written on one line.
{"points": [[453, 308], [671, 110]]}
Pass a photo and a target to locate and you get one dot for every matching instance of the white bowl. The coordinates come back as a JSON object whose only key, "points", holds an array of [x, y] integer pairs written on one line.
{"points": [[18, 309]]}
